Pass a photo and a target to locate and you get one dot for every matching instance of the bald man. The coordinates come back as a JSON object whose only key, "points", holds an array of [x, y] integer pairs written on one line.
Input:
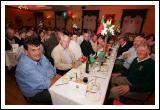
{"points": [[64, 58]]}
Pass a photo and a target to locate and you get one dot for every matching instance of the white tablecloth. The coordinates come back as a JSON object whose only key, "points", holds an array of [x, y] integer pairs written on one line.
{"points": [[11, 59], [68, 94]]}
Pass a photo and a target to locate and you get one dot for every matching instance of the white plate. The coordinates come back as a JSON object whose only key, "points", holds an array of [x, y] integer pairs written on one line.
{"points": [[65, 79], [92, 87]]}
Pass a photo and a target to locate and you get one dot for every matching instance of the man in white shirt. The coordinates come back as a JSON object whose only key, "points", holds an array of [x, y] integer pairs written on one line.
{"points": [[75, 47]]}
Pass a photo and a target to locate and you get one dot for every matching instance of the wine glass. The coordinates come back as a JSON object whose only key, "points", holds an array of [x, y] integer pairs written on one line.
{"points": [[85, 79]]}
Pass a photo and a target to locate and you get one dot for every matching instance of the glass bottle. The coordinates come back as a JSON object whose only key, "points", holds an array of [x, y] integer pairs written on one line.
{"points": [[87, 65]]}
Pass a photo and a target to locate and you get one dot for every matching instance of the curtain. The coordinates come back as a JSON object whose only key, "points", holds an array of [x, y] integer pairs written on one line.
{"points": [[133, 20], [60, 22], [69, 25], [90, 19]]}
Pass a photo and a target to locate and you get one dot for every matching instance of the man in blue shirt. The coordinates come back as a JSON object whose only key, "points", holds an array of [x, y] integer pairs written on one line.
{"points": [[34, 73]]}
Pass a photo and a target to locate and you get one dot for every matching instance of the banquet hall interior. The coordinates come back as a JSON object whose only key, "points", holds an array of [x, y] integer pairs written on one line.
{"points": [[129, 20]]}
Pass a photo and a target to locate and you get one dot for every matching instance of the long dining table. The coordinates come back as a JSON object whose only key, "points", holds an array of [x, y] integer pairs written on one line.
{"points": [[71, 89]]}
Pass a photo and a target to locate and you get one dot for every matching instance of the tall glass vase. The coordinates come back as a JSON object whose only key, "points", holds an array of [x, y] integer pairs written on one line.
{"points": [[106, 41]]}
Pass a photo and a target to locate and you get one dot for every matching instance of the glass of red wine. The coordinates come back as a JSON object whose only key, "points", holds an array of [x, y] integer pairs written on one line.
{"points": [[85, 79]]}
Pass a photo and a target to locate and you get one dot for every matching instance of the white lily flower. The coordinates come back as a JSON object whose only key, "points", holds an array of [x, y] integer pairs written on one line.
{"points": [[104, 32], [109, 22], [111, 29], [104, 24], [75, 26], [112, 26], [108, 28]]}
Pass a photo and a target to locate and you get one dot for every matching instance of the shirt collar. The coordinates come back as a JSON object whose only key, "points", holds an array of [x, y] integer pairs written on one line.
{"points": [[143, 59], [35, 62], [64, 49], [61, 47], [123, 44]]}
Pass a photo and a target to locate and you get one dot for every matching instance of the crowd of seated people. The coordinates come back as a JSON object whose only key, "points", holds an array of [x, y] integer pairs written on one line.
{"points": [[124, 61], [134, 70], [65, 50]]}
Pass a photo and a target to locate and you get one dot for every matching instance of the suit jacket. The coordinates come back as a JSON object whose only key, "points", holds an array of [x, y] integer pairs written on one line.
{"points": [[123, 49], [87, 48], [7, 45], [59, 58], [49, 44]]}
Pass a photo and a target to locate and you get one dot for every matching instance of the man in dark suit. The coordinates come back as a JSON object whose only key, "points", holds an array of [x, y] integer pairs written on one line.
{"points": [[10, 39], [86, 45], [123, 46]]}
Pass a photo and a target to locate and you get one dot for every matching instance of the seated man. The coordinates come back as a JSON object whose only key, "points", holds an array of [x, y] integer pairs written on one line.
{"points": [[48, 45], [86, 45], [94, 41], [75, 47], [140, 76], [10, 39], [64, 58], [34, 73], [123, 46]]}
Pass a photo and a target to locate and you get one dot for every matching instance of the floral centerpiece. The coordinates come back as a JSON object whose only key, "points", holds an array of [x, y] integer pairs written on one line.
{"points": [[107, 30]]}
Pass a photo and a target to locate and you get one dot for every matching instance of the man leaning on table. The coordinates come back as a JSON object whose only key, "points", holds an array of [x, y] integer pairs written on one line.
{"points": [[140, 76], [63, 56], [34, 73]]}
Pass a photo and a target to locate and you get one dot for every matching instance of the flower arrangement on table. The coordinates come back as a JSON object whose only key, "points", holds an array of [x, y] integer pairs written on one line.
{"points": [[106, 31]]}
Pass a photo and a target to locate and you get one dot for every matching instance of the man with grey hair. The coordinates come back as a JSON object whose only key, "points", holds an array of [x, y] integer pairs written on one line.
{"points": [[139, 77]]}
